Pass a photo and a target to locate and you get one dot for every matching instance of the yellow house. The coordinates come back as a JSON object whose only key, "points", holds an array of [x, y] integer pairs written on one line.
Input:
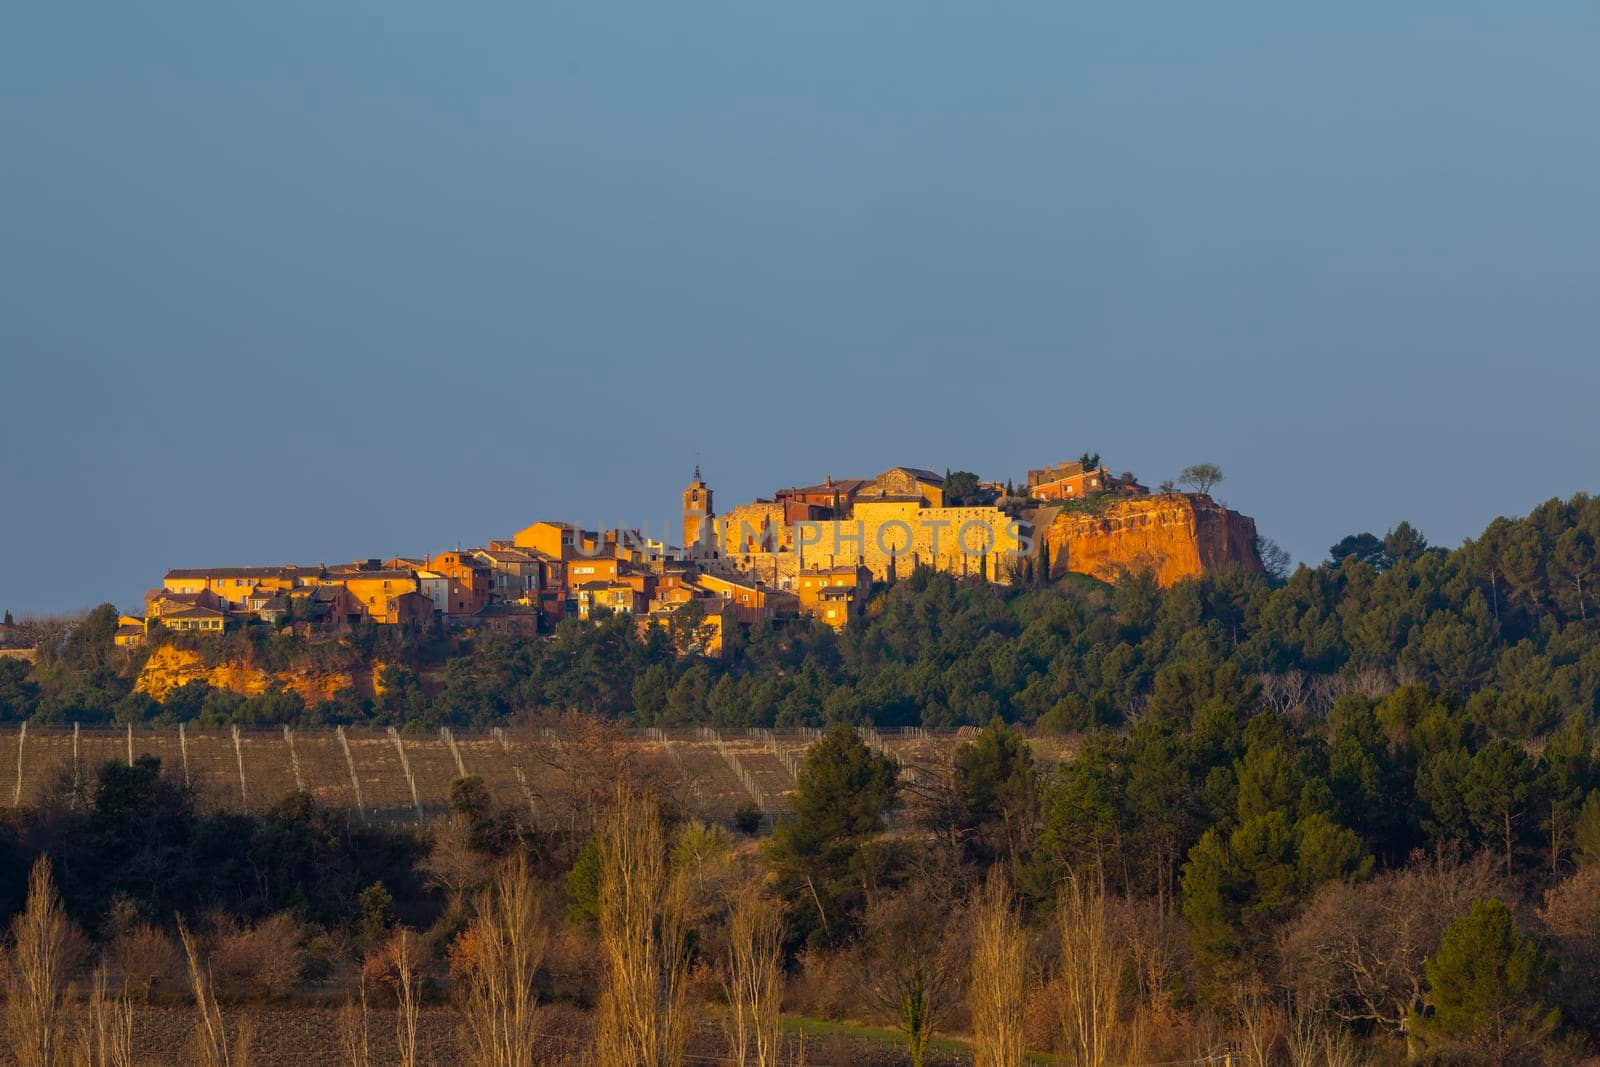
{"points": [[196, 620], [130, 631], [615, 597], [833, 595], [379, 592], [233, 585], [158, 602]]}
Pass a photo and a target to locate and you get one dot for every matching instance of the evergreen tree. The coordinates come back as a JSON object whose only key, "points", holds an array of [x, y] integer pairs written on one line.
{"points": [[1365, 547], [998, 789], [1486, 989], [841, 795], [1501, 787], [1404, 543], [1586, 831]]}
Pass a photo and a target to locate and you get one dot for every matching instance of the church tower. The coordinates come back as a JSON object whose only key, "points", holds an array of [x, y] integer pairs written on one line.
{"points": [[699, 537]]}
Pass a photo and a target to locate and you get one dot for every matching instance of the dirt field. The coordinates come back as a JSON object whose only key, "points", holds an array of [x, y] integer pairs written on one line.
{"points": [[308, 1036], [389, 777]]}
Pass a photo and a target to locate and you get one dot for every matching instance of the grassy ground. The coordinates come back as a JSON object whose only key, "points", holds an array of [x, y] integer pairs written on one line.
{"points": [[809, 1027], [954, 1049]]}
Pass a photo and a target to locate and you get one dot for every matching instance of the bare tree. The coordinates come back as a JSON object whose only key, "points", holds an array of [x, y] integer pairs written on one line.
{"points": [[1261, 1025], [999, 964], [402, 957], [355, 1037], [1275, 559], [910, 964], [34, 999], [1359, 949], [1286, 692], [753, 978], [1091, 973], [105, 1037], [1571, 919], [210, 1046], [502, 950], [1312, 1039], [643, 939], [589, 755]]}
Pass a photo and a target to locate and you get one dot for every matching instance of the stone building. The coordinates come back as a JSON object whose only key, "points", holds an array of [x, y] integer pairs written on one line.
{"points": [[699, 515], [889, 524]]}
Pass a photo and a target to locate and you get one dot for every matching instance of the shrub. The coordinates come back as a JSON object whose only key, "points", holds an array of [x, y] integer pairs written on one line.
{"points": [[260, 960], [145, 957], [747, 819]]}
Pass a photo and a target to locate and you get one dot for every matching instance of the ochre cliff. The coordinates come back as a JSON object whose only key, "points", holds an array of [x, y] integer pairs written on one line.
{"points": [[1175, 535], [169, 667]]}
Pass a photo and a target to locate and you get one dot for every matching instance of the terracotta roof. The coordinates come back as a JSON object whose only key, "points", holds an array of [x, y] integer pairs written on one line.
{"points": [[176, 598], [842, 486], [919, 473], [194, 613], [240, 572], [366, 576], [506, 555]]}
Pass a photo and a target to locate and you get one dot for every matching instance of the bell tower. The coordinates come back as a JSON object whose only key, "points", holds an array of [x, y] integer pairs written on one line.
{"points": [[698, 528]]}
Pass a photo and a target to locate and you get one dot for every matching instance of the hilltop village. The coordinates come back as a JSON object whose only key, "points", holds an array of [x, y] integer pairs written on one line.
{"points": [[812, 551]]}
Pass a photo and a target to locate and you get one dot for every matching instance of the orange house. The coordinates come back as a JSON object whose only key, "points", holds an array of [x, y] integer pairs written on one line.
{"points": [[835, 595], [562, 540], [232, 585], [379, 591], [470, 581], [750, 600], [1069, 481], [831, 499], [581, 570]]}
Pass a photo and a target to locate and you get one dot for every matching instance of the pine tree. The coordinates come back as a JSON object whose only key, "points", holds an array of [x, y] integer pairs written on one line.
{"points": [[1586, 831], [1486, 987]]}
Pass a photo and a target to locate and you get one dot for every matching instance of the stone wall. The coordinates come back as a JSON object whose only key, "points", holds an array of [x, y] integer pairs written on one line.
{"points": [[900, 535], [757, 525]]}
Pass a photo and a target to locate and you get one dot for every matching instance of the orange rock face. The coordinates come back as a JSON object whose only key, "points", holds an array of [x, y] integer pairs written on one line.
{"points": [[1176, 536], [168, 667]]}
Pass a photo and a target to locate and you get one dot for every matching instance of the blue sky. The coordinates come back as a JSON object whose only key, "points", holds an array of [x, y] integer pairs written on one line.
{"points": [[306, 282]]}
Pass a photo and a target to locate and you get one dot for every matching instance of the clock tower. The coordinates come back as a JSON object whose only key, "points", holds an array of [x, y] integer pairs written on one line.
{"points": [[699, 536]]}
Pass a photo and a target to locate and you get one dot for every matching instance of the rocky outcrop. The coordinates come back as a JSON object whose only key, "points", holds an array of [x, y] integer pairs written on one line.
{"points": [[1174, 535], [169, 667]]}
